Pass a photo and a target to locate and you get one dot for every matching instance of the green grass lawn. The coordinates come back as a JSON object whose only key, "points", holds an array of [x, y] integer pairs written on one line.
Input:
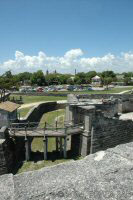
{"points": [[33, 99], [37, 145], [113, 90], [50, 118], [31, 166], [23, 112]]}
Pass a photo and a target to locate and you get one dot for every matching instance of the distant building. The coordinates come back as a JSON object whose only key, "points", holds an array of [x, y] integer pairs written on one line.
{"points": [[8, 112], [96, 81]]}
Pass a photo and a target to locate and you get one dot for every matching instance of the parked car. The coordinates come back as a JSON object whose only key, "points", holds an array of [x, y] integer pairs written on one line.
{"points": [[89, 88], [39, 89]]}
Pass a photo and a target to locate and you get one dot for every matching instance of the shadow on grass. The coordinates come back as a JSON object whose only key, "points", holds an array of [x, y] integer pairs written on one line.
{"points": [[52, 156], [39, 156]]}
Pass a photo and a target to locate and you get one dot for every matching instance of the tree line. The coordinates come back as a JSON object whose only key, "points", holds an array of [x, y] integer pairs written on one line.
{"points": [[9, 80]]}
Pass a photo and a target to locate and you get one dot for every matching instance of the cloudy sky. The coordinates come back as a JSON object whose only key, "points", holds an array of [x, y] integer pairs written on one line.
{"points": [[71, 60], [66, 35]]}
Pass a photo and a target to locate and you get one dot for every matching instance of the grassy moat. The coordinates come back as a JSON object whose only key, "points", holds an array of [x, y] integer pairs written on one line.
{"points": [[54, 157]]}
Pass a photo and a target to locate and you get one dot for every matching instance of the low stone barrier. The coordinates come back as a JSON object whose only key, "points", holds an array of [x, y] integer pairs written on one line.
{"points": [[106, 175], [6, 152], [41, 94], [35, 114]]}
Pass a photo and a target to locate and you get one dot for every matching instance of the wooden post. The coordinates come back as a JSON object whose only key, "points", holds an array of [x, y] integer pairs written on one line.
{"points": [[45, 148], [28, 124], [65, 143], [45, 141], [60, 145], [65, 147], [56, 124], [56, 139], [27, 155], [56, 143]]}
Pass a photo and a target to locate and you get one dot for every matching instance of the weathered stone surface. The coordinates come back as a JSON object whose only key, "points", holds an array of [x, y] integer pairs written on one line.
{"points": [[6, 153], [101, 176], [6, 187]]}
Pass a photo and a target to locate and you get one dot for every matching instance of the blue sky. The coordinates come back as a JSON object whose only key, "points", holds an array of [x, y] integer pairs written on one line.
{"points": [[98, 28]]}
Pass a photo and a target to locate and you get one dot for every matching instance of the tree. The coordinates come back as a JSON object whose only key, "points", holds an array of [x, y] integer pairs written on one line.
{"points": [[106, 74], [91, 74], [80, 77], [63, 78], [70, 81], [127, 80], [107, 81], [23, 77], [38, 78], [7, 74]]}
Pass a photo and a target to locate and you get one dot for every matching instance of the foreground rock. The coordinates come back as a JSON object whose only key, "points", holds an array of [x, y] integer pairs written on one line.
{"points": [[106, 175]]}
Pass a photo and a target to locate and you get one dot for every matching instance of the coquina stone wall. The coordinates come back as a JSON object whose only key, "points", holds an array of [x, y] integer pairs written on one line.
{"points": [[125, 101], [106, 96], [89, 96], [109, 132], [36, 112], [3, 166], [102, 127], [41, 94], [6, 152]]}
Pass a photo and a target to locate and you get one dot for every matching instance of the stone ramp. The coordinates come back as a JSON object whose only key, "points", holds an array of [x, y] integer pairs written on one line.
{"points": [[6, 187], [105, 175]]}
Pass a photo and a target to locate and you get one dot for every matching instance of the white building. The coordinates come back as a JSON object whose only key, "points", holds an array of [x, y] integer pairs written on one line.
{"points": [[96, 81]]}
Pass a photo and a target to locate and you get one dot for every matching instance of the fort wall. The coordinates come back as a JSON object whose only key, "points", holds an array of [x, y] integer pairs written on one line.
{"points": [[35, 114], [89, 96], [6, 152], [110, 132]]}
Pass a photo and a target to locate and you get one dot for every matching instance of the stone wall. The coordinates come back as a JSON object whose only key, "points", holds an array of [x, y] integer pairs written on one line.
{"points": [[36, 112], [106, 96], [126, 106], [124, 102], [89, 96], [3, 166], [41, 94], [102, 127], [6, 152], [109, 132]]}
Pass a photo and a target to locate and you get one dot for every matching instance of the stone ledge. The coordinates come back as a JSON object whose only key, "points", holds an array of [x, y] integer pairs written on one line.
{"points": [[103, 175]]}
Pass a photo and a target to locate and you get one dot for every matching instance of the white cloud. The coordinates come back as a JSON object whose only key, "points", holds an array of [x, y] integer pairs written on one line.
{"points": [[73, 53], [66, 64]]}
